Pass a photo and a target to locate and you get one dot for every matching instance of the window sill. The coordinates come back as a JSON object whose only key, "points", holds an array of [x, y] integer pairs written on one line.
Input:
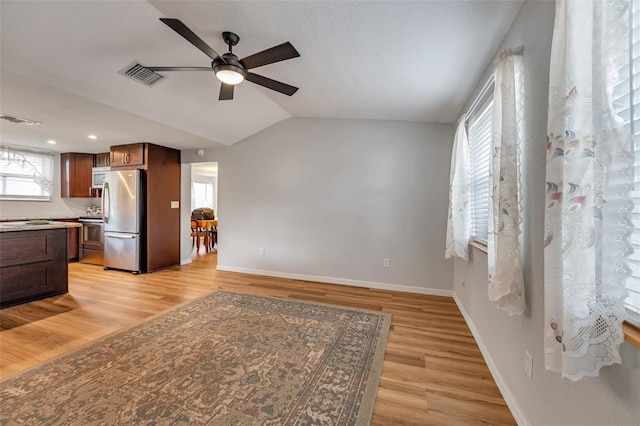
{"points": [[479, 246], [631, 334]]}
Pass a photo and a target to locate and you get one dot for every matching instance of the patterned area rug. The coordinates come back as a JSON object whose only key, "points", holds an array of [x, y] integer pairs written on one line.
{"points": [[225, 359]]}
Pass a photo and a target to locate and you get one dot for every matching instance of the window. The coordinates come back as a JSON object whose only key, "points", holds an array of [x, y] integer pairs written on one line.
{"points": [[203, 192], [479, 131], [627, 104], [25, 174]]}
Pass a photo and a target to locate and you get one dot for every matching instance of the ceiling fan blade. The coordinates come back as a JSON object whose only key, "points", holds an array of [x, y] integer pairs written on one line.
{"points": [[177, 26], [278, 53], [226, 92], [179, 68], [271, 84]]}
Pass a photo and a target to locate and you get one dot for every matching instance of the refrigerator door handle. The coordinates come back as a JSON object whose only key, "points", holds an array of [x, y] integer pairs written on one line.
{"points": [[121, 237], [105, 194]]}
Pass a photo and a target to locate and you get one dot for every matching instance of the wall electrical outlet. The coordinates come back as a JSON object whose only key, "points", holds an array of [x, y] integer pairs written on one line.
{"points": [[528, 364], [385, 262], [261, 251]]}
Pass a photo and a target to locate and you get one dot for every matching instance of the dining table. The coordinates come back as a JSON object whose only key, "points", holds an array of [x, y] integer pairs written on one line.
{"points": [[210, 228]]}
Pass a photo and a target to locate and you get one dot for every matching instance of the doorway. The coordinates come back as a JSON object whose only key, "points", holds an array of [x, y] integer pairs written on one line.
{"points": [[204, 195]]}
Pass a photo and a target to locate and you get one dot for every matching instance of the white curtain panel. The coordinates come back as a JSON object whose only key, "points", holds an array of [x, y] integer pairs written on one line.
{"points": [[506, 279], [589, 179], [459, 221]]}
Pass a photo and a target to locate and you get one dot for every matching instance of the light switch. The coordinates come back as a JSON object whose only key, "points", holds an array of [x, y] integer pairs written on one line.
{"points": [[175, 204]]}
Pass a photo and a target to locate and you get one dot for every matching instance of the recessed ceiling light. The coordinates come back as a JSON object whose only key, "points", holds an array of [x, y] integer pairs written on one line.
{"points": [[92, 137], [51, 141]]}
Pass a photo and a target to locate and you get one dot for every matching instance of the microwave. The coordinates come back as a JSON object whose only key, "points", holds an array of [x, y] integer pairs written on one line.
{"points": [[99, 176]]}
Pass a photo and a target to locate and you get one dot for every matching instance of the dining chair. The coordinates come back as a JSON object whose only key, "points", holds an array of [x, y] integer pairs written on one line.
{"points": [[196, 234], [213, 239]]}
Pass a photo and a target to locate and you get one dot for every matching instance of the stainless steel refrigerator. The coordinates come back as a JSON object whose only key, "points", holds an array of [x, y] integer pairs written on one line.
{"points": [[122, 208]]}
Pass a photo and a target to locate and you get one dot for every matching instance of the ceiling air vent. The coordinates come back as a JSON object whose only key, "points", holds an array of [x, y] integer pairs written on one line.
{"points": [[143, 75], [18, 120]]}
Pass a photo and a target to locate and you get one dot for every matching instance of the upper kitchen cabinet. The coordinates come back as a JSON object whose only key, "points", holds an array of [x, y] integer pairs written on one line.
{"points": [[103, 159], [75, 175], [128, 155]]}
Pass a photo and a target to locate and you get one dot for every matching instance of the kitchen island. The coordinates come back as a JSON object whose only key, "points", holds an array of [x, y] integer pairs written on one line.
{"points": [[33, 260]]}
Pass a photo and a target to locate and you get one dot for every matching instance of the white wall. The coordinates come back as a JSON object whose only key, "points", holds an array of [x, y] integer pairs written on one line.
{"points": [[57, 207], [328, 199], [614, 397], [185, 213]]}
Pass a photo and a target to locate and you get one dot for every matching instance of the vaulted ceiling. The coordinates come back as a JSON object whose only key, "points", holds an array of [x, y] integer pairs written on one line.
{"points": [[396, 60]]}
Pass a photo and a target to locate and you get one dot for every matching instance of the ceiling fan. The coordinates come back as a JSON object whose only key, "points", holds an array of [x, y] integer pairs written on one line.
{"points": [[228, 68]]}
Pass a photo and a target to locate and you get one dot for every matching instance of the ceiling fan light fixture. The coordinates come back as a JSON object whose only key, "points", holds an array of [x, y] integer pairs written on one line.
{"points": [[229, 73], [227, 67]]}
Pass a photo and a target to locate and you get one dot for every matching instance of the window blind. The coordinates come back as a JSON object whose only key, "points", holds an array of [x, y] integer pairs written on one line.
{"points": [[25, 174], [479, 133], [626, 103]]}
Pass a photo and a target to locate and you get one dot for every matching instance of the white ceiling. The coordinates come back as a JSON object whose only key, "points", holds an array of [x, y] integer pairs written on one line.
{"points": [[396, 60]]}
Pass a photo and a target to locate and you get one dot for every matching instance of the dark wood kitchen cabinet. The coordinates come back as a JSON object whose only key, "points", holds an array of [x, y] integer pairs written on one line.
{"points": [[73, 244], [33, 265], [74, 236], [128, 155], [103, 159], [75, 175], [162, 207]]}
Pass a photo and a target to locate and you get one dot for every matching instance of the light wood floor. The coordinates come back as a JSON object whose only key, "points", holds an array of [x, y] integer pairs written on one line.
{"points": [[433, 372]]}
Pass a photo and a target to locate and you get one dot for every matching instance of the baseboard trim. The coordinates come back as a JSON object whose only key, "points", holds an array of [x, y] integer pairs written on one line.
{"points": [[342, 281], [508, 396], [185, 261]]}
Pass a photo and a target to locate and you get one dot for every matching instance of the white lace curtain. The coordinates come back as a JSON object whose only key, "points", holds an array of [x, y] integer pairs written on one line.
{"points": [[506, 280], [589, 177], [459, 220]]}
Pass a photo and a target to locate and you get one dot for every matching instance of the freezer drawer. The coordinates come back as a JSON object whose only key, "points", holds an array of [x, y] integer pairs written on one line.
{"points": [[122, 251]]}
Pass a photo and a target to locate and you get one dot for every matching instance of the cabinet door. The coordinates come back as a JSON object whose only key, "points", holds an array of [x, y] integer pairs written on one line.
{"points": [[118, 155], [75, 175], [162, 221], [103, 159], [136, 155], [127, 155]]}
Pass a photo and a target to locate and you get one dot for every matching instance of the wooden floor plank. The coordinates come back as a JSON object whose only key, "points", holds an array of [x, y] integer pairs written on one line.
{"points": [[433, 373]]}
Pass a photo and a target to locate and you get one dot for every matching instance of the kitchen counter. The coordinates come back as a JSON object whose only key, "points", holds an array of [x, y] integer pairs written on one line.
{"points": [[33, 260], [32, 226], [25, 218]]}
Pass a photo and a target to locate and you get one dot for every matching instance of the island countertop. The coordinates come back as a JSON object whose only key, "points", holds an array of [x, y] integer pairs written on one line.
{"points": [[42, 217], [36, 225]]}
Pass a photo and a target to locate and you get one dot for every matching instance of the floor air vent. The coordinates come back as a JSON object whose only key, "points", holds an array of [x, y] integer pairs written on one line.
{"points": [[18, 120], [139, 73]]}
